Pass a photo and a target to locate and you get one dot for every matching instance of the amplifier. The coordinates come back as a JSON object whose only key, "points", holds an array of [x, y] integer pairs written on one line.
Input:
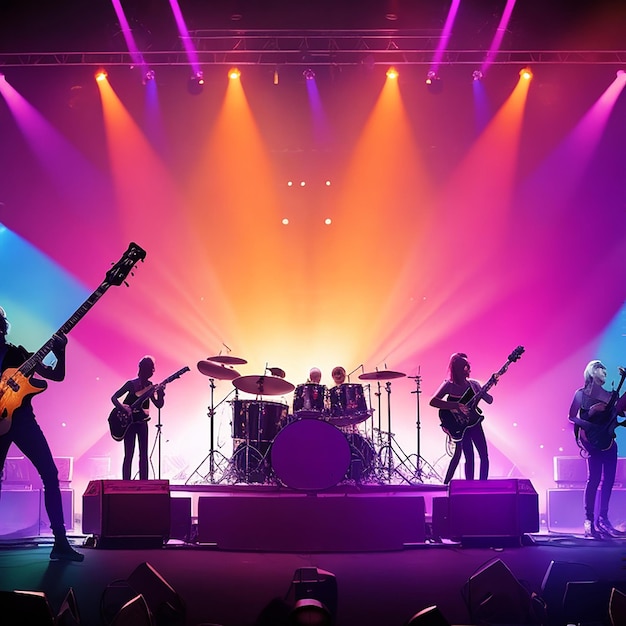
{"points": [[128, 510], [493, 508]]}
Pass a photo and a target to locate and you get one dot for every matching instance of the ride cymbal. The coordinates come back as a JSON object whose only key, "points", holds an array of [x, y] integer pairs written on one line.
{"points": [[226, 358], [214, 370], [263, 385], [381, 375]]}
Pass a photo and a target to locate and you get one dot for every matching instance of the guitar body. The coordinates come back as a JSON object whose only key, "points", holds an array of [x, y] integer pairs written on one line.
{"points": [[455, 423], [15, 387], [119, 421], [600, 432]]}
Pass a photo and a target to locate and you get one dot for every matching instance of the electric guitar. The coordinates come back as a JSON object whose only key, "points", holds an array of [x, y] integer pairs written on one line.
{"points": [[120, 420], [599, 431], [16, 384], [455, 423]]}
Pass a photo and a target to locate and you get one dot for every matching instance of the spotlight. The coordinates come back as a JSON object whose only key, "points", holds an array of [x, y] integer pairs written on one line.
{"points": [[101, 75], [276, 77], [196, 83], [620, 74], [315, 596], [309, 74], [234, 73], [477, 75], [148, 76], [433, 82], [392, 73], [526, 73]]}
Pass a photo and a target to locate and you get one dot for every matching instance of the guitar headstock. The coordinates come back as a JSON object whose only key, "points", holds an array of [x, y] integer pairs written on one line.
{"points": [[516, 354], [120, 271]]}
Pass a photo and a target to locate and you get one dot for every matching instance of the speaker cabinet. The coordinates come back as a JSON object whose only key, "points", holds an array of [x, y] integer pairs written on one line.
{"points": [[129, 512], [493, 508], [566, 509]]}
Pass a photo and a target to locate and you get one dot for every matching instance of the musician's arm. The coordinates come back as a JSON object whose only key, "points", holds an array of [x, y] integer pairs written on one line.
{"points": [[158, 397], [574, 410], [57, 371], [438, 401], [487, 397], [126, 388]]}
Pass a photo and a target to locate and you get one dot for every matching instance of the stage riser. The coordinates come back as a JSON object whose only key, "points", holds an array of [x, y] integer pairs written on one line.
{"points": [[566, 509], [311, 523], [23, 514]]}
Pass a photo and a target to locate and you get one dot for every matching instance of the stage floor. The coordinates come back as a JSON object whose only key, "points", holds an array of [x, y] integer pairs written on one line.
{"points": [[381, 578]]}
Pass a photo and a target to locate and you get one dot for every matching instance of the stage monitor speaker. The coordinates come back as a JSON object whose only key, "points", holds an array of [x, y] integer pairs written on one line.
{"points": [[26, 607], [493, 508], [129, 513], [166, 606], [494, 596]]}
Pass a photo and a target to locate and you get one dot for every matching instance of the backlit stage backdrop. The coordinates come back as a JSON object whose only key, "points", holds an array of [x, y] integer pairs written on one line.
{"points": [[345, 219]]}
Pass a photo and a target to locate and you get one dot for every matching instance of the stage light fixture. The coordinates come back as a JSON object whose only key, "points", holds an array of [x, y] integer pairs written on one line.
{"points": [[234, 73], [433, 82], [101, 75], [477, 75], [620, 74], [309, 74], [392, 73], [526, 73], [196, 83], [148, 76], [276, 77], [315, 595]]}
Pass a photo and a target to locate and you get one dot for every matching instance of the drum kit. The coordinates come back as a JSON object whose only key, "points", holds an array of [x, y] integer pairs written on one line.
{"points": [[314, 447]]}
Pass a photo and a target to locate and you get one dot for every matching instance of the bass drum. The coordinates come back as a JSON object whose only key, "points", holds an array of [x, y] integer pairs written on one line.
{"points": [[311, 455]]}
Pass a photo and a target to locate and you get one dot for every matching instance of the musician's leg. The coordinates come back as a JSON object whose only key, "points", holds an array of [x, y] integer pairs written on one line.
{"points": [[468, 453], [30, 439], [142, 437], [129, 450], [480, 441], [454, 462], [594, 475]]}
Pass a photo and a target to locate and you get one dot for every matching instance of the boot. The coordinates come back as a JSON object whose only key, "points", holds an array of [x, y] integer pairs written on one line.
{"points": [[590, 530], [606, 528], [62, 550]]}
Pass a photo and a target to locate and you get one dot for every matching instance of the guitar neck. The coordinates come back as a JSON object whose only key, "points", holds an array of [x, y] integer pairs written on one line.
{"points": [[148, 392], [31, 363]]}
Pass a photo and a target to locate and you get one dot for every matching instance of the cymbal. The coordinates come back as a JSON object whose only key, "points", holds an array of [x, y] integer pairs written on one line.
{"points": [[226, 358], [381, 375], [213, 370], [263, 385]]}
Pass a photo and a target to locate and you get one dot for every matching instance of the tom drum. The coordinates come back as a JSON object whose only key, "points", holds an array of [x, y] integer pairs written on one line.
{"points": [[347, 405], [309, 400], [258, 421]]}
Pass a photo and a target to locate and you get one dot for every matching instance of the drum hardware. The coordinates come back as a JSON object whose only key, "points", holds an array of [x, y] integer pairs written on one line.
{"points": [[420, 462], [220, 372]]}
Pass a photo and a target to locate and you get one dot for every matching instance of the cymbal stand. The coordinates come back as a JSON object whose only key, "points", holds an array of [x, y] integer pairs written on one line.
{"points": [[392, 449], [211, 457], [420, 462]]}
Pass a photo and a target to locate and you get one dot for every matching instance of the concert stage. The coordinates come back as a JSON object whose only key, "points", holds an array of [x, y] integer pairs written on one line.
{"points": [[234, 548]]}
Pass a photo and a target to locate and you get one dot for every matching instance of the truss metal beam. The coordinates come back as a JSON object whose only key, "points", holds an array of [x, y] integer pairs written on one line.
{"points": [[315, 47]]}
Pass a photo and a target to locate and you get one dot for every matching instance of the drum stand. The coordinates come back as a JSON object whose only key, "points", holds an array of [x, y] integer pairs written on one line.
{"points": [[157, 444], [215, 458]]}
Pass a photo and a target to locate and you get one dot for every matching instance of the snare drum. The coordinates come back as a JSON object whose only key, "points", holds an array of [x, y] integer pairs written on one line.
{"points": [[310, 454], [258, 421], [309, 400], [347, 404]]}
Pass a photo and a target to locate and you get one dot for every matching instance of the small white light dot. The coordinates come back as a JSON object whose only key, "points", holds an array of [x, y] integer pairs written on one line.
{"points": [[328, 221], [285, 221]]}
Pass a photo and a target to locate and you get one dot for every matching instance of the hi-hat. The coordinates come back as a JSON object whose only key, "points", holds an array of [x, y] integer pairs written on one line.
{"points": [[263, 385], [226, 358], [381, 375], [214, 370]]}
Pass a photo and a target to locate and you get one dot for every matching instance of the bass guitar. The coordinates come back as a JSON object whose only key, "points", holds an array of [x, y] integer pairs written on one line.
{"points": [[120, 420], [599, 431], [455, 423], [17, 384]]}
